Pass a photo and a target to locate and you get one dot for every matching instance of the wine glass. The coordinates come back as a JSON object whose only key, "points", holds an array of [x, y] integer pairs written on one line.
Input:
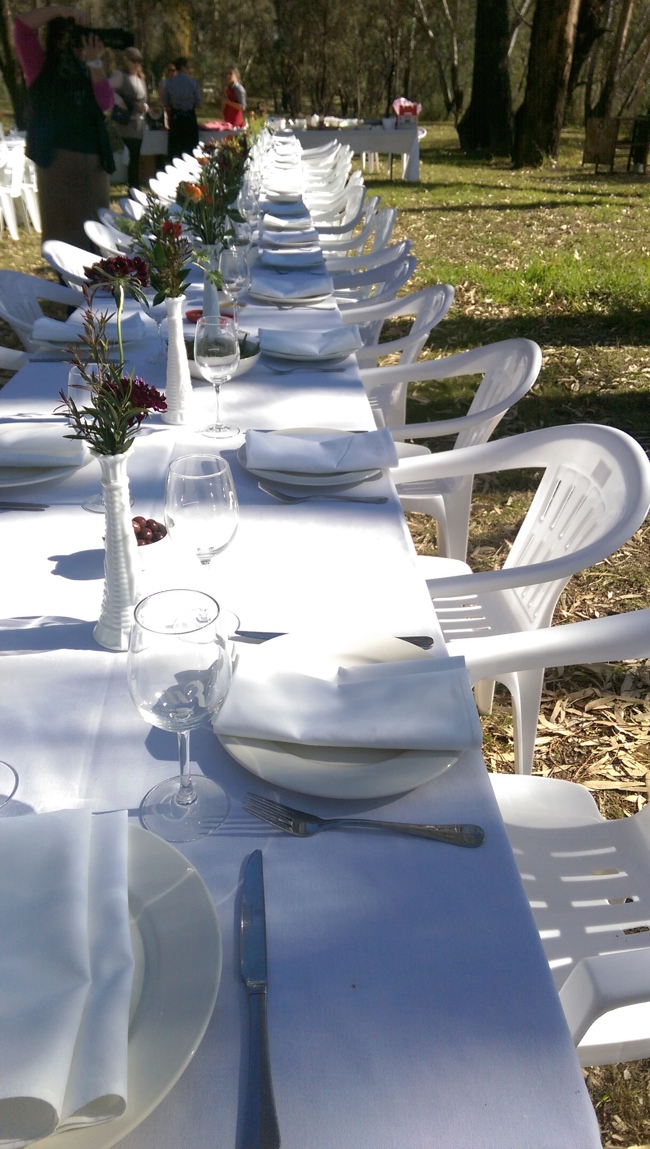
{"points": [[216, 354], [8, 783], [235, 272], [158, 312], [201, 506], [179, 672]]}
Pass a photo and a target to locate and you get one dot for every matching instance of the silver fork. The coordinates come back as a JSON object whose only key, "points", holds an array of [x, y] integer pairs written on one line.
{"points": [[303, 825]]}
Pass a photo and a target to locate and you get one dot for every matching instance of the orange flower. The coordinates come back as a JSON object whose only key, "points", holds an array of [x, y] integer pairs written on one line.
{"points": [[193, 191]]}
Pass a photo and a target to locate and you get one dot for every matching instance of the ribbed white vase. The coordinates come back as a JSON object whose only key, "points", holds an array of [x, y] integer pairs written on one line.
{"points": [[178, 386], [120, 556]]}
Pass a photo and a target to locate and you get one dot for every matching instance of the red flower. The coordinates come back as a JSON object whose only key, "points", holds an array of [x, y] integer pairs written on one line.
{"points": [[106, 271], [144, 396], [171, 228]]}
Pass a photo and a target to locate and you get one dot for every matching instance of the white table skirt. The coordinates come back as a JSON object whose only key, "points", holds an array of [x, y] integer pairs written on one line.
{"points": [[387, 141], [410, 1003]]}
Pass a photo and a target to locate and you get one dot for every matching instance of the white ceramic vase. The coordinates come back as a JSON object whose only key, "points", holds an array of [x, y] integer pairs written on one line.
{"points": [[178, 386], [121, 564]]}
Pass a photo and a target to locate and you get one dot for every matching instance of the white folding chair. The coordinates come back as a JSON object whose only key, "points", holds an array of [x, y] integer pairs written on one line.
{"points": [[593, 496], [70, 262], [19, 302], [588, 883], [108, 240]]}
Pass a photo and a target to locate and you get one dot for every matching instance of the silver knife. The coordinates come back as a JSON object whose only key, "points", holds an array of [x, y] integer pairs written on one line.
{"points": [[260, 1128], [258, 636]]}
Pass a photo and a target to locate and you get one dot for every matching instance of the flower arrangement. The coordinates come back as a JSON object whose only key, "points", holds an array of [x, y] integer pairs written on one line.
{"points": [[160, 242], [117, 403], [208, 203]]}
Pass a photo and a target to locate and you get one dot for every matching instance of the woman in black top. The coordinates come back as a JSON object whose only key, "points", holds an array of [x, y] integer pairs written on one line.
{"points": [[68, 96]]}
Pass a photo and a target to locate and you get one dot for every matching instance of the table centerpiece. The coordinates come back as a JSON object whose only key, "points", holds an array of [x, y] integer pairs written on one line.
{"points": [[117, 405]]}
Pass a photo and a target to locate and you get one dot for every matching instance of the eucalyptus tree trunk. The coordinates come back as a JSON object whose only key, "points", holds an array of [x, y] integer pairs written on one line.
{"points": [[487, 123], [539, 121], [608, 91]]}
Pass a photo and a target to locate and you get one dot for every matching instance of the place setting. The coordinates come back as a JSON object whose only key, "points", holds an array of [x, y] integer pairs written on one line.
{"points": [[300, 464]]}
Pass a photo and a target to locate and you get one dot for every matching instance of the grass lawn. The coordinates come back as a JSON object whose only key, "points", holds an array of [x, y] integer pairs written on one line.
{"points": [[561, 256]]}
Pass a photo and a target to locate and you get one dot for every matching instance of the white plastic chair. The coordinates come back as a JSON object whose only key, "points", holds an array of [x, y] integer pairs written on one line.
{"points": [[588, 883], [370, 259], [69, 261], [428, 307], [108, 239], [594, 494], [376, 232], [138, 196], [12, 359], [350, 238], [500, 657], [131, 208], [19, 302], [380, 284], [509, 370], [29, 195]]}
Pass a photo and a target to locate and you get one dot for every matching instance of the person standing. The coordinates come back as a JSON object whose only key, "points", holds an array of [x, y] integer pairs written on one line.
{"points": [[181, 97], [68, 97], [130, 88], [234, 100]]}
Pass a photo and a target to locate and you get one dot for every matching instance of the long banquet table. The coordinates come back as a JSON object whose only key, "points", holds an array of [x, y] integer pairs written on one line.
{"points": [[410, 1003], [386, 141]]}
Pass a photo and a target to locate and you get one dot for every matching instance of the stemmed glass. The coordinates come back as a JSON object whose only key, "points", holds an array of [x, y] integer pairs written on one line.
{"points": [[158, 312], [235, 272], [201, 506], [179, 672], [8, 783], [216, 354]]}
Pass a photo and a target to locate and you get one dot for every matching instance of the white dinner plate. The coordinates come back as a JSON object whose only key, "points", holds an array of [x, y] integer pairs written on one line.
{"points": [[294, 301], [27, 476], [308, 479], [294, 357], [177, 949], [337, 771]]}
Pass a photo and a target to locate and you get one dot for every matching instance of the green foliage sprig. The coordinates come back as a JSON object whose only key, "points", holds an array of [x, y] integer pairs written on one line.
{"points": [[117, 402], [159, 240]]}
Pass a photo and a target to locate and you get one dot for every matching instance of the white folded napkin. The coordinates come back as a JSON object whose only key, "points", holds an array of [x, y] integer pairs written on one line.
{"points": [[311, 344], [302, 238], [300, 284], [287, 260], [134, 328], [293, 210], [282, 193], [423, 704], [321, 452], [271, 221], [66, 970], [40, 445]]}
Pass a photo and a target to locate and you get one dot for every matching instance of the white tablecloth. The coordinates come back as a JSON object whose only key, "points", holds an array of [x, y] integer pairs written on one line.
{"points": [[410, 1004], [395, 141]]}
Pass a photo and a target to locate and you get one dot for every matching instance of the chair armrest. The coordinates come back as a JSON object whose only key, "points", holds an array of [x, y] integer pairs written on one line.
{"points": [[600, 984], [617, 638], [57, 293]]}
